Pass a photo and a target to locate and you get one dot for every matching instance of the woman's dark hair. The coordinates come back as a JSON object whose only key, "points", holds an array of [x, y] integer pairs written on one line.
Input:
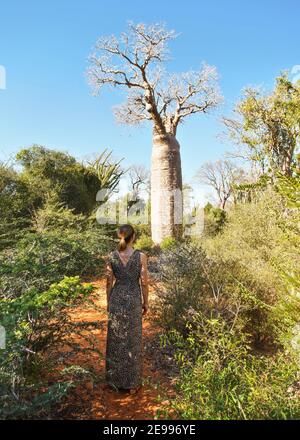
{"points": [[125, 234]]}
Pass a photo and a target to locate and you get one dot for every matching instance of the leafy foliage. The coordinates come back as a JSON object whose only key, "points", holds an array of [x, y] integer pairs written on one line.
{"points": [[49, 170], [37, 325], [267, 125], [144, 242], [168, 243], [41, 259], [230, 307], [214, 220], [220, 378]]}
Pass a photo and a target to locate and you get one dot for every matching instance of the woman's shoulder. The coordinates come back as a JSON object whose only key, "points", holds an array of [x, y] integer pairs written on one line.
{"points": [[111, 256], [142, 254]]}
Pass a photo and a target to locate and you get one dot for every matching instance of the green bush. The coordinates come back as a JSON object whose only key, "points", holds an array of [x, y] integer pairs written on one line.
{"points": [[190, 280], [230, 307], [262, 241], [220, 378], [142, 230], [180, 285], [168, 243], [144, 242], [39, 283], [45, 170], [41, 259], [235, 275], [14, 207], [38, 326], [214, 220]]}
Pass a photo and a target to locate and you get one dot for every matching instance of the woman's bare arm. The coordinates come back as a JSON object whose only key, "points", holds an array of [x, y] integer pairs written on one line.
{"points": [[145, 282], [109, 280]]}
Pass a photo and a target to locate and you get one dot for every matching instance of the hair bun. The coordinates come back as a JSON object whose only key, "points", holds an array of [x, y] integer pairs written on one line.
{"points": [[125, 233]]}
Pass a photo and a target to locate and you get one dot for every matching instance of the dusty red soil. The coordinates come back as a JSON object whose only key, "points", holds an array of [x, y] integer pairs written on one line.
{"points": [[97, 400]]}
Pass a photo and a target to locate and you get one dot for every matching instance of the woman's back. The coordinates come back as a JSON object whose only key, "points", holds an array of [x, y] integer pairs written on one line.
{"points": [[126, 269]]}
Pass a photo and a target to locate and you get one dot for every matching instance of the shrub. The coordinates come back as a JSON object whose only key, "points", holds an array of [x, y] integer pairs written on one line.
{"points": [[258, 239], [37, 288], [168, 243], [180, 281], [190, 278], [221, 296], [221, 379], [44, 170], [54, 216], [190, 281], [144, 243], [38, 325], [214, 220], [142, 230], [14, 207], [41, 259]]}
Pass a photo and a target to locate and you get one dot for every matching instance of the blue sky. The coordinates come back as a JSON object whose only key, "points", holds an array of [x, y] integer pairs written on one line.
{"points": [[44, 48]]}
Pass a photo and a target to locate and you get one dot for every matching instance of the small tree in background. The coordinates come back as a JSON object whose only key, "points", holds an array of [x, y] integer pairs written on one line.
{"points": [[221, 176], [267, 126]]}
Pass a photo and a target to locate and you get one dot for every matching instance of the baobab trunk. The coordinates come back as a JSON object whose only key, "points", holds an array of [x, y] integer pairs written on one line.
{"points": [[166, 188]]}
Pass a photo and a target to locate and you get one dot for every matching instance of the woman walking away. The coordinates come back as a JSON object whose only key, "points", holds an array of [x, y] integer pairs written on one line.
{"points": [[127, 282]]}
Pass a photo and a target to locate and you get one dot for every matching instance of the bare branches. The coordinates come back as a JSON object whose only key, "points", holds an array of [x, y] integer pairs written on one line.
{"points": [[134, 110], [194, 92], [150, 43], [221, 176], [187, 93], [139, 177], [135, 61], [125, 62]]}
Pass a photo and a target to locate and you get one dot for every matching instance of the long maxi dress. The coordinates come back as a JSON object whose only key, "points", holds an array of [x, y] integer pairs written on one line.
{"points": [[123, 366]]}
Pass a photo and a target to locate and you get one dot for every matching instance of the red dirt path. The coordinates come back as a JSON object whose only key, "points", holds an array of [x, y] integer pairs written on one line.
{"points": [[99, 401]]}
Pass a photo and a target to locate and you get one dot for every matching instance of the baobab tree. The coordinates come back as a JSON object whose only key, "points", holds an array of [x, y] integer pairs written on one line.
{"points": [[135, 61]]}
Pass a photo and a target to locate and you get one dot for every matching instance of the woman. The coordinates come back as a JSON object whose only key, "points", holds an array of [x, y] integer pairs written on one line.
{"points": [[128, 268]]}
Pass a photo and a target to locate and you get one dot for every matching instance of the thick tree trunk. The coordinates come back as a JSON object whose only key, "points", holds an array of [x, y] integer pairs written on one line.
{"points": [[166, 188]]}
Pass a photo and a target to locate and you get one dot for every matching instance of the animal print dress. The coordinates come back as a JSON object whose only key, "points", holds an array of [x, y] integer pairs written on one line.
{"points": [[124, 329]]}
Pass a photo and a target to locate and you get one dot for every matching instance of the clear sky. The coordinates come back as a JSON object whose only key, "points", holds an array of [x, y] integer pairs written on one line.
{"points": [[44, 47]]}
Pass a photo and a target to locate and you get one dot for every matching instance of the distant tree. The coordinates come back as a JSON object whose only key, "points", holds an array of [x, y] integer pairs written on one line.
{"points": [[221, 175], [76, 185], [15, 201], [139, 178], [267, 126], [45, 170], [214, 220]]}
